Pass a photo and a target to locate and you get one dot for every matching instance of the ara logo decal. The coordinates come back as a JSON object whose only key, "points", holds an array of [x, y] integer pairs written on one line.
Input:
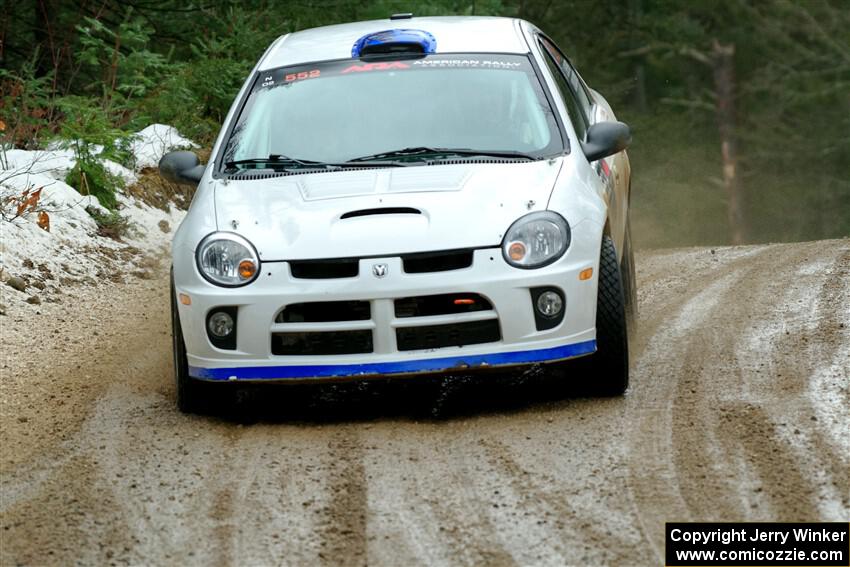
{"points": [[380, 270], [376, 67]]}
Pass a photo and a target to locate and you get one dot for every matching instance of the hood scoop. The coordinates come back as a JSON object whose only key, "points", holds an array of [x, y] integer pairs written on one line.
{"points": [[381, 211]]}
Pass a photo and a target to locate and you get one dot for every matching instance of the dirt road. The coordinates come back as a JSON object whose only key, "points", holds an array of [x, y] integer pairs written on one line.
{"points": [[738, 411]]}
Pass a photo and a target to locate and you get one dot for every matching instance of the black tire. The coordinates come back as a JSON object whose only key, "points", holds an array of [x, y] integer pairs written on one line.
{"points": [[627, 270], [190, 392], [609, 367]]}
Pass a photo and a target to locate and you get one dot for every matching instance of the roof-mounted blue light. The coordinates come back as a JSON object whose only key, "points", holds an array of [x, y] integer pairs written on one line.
{"points": [[388, 42]]}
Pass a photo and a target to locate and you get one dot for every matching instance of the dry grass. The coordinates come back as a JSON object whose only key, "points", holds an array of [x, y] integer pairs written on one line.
{"points": [[155, 191]]}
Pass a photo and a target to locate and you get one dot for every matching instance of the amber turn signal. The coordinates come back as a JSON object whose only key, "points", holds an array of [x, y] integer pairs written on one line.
{"points": [[247, 269], [516, 251], [585, 274]]}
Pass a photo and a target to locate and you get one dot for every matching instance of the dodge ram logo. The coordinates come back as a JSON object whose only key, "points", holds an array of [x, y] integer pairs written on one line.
{"points": [[379, 270]]}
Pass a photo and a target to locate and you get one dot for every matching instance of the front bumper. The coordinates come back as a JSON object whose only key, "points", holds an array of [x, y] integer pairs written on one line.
{"points": [[505, 287], [403, 368]]}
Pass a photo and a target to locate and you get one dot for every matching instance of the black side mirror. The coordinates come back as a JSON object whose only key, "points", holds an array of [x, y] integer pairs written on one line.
{"points": [[181, 167], [606, 139]]}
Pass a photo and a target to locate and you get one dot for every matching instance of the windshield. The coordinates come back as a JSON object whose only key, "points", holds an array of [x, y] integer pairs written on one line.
{"points": [[336, 111]]}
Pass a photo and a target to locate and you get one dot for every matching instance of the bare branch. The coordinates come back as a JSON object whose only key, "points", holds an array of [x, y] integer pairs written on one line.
{"points": [[696, 55]]}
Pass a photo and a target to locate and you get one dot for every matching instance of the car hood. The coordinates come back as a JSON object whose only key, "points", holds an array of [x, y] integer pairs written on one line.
{"points": [[443, 207]]}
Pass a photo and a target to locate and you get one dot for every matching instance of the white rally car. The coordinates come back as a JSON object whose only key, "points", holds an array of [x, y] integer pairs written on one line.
{"points": [[403, 197]]}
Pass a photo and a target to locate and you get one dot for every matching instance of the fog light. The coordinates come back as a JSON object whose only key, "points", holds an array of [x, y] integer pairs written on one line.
{"points": [[220, 324], [550, 304]]}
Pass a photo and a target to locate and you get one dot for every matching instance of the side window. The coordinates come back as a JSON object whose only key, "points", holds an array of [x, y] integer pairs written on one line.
{"points": [[574, 107], [578, 85]]}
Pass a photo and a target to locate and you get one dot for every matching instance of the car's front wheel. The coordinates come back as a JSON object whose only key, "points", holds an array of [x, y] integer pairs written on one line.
{"points": [[627, 272], [609, 367], [190, 394], [606, 372]]}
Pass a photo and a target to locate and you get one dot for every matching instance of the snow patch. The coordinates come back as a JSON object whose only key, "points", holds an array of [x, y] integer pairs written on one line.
{"points": [[150, 144], [72, 251]]}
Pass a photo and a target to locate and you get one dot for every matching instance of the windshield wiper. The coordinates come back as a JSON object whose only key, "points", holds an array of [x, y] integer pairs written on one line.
{"points": [[430, 153], [274, 160], [284, 162]]}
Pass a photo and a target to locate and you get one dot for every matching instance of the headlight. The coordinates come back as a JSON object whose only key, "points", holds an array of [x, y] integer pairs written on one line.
{"points": [[536, 240], [227, 259]]}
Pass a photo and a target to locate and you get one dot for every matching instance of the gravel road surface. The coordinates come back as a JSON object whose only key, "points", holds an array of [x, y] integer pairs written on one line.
{"points": [[738, 410]]}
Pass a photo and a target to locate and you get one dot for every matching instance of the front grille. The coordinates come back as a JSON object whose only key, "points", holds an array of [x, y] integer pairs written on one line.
{"points": [[325, 269], [445, 304], [455, 334], [325, 311], [322, 343], [437, 261], [419, 263]]}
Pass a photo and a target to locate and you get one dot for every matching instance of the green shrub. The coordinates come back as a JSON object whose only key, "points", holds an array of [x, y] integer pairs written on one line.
{"points": [[89, 177], [85, 125]]}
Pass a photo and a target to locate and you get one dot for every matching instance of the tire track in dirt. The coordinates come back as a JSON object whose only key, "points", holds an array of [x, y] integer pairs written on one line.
{"points": [[757, 402], [66, 503], [159, 475], [714, 370], [829, 388], [771, 464], [404, 526], [228, 486], [342, 528], [434, 493], [720, 441], [468, 535], [230, 509], [271, 523], [810, 343], [653, 478], [667, 281], [558, 523]]}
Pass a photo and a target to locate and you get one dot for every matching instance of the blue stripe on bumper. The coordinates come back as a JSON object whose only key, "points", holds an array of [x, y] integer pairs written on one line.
{"points": [[401, 367]]}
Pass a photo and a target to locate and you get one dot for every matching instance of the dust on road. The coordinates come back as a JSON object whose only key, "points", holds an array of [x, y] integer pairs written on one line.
{"points": [[737, 411]]}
